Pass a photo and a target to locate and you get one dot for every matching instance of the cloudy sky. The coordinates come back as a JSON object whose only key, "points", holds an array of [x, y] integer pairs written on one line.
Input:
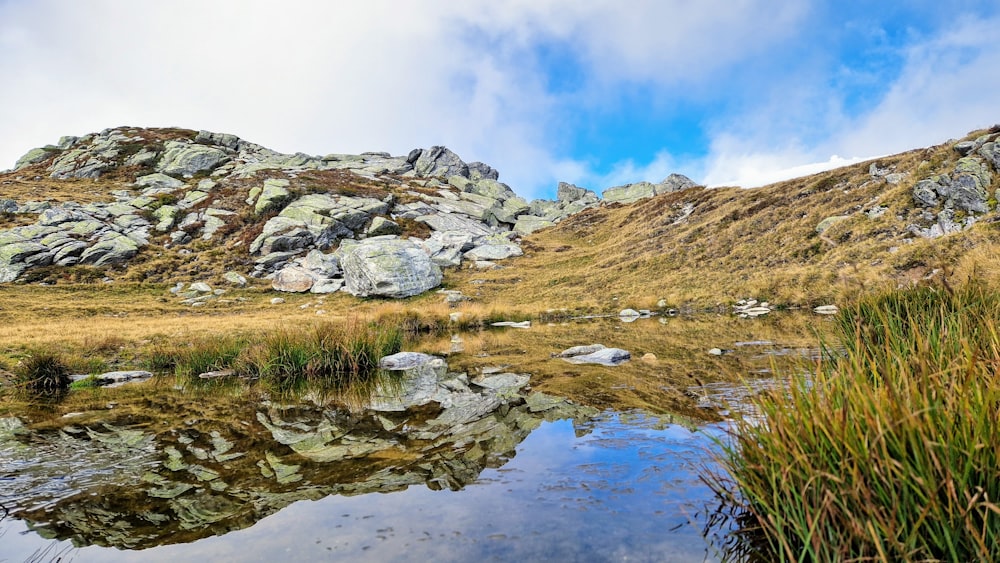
{"points": [[596, 92]]}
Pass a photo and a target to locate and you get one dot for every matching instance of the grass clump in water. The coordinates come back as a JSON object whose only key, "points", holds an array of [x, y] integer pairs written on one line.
{"points": [[891, 452], [335, 356], [42, 372]]}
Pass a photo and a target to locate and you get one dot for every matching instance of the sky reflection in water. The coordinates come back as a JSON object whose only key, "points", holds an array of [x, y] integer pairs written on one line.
{"points": [[620, 487]]}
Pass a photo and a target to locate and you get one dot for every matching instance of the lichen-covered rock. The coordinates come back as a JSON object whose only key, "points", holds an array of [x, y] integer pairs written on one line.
{"points": [[440, 162], [273, 192], [113, 250], [187, 159], [388, 267], [527, 224]]}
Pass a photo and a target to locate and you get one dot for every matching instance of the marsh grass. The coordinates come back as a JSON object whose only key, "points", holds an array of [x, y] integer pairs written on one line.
{"points": [[891, 452], [334, 356], [41, 372]]}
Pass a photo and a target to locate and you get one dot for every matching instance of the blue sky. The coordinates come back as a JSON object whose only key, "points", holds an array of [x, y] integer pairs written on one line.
{"points": [[599, 93]]}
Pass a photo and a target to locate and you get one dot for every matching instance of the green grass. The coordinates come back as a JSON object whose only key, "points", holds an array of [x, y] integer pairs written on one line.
{"points": [[332, 356], [891, 452], [42, 372]]}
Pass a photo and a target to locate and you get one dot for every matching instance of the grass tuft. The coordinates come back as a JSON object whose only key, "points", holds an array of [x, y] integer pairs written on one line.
{"points": [[42, 372], [889, 452]]}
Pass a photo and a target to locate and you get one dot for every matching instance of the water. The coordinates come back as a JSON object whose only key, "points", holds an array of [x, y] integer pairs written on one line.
{"points": [[173, 475], [619, 486]]}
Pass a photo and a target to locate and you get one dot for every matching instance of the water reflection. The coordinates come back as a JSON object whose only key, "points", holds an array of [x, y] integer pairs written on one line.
{"points": [[611, 487]]}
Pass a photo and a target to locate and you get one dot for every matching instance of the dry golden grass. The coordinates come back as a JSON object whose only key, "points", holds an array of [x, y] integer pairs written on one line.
{"points": [[740, 243]]}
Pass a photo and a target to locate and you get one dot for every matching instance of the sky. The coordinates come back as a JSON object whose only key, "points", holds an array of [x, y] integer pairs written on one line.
{"points": [[598, 92]]}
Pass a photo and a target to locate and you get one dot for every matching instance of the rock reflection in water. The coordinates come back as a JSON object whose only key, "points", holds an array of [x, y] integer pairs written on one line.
{"points": [[136, 484]]}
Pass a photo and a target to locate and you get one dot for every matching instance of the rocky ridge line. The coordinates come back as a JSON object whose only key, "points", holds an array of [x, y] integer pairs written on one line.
{"points": [[180, 186]]}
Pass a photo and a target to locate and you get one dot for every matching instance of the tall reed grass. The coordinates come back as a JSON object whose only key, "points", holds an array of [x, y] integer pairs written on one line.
{"points": [[334, 356], [891, 452]]}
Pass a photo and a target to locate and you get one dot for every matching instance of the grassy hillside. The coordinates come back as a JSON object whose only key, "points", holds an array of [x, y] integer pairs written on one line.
{"points": [[708, 246]]}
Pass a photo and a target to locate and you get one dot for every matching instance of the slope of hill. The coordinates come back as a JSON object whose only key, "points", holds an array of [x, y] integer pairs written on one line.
{"points": [[170, 205], [928, 213]]}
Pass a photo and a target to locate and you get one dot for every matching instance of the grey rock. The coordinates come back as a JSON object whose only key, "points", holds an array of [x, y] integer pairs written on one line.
{"points": [[504, 383], [604, 356], [965, 147], [33, 156], [569, 193], [321, 265], [527, 224], [439, 161], [158, 181], [235, 278], [113, 250], [991, 152], [388, 267], [293, 279], [382, 226], [580, 350], [969, 183], [326, 285], [186, 159], [629, 193], [492, 189], [925, 193], [494, 252], [479, 171], [225, 140], [201, 287], [272, 195], [674, 183]]}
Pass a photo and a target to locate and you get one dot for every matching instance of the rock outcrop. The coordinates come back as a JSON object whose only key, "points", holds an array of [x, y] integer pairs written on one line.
{"points": [[955, 201], [184, 186]]}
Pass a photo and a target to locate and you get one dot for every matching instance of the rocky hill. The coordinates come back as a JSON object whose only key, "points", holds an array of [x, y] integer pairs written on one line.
{"points": [[178, 206], [170, 205]]}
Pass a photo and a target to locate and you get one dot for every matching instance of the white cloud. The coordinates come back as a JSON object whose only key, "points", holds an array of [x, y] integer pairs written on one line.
{"points": [[944, 89], [325, 77]]}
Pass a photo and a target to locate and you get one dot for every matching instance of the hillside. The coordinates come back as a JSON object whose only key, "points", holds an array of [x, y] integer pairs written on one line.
{"points": [[169, 206]]}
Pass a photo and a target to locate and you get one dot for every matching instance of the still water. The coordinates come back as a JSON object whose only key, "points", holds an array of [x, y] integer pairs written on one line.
{"points": [[483, 473], [614, 487]]}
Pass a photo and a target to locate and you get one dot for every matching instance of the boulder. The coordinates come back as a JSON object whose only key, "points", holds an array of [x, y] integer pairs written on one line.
{"points": [[569, 193], [293, 279], [494, 251], [235, 278], [382, 226], [674, 183], [33, 156], [603, 356], [158, 181], [112, 250], [527, 224], [388, 267], [272, 194], [629, 193], [440, 162], [478, 171], [969, 183], [579, 350], [187, 159], [829, 222]]}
